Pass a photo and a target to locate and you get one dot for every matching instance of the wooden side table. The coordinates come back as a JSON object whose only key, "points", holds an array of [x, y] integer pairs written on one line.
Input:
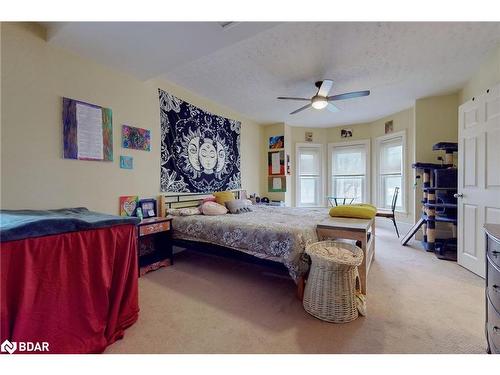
{"points": [[154, 243], [362, 230]]}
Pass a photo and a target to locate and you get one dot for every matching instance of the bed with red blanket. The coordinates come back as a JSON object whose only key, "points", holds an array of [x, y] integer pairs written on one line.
{"points": [[68, 278]]}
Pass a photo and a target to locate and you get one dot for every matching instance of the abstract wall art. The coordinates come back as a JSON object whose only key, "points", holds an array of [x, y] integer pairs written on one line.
{"points": [[87, 131], [200, 151], [277, 141], [136, 138]]}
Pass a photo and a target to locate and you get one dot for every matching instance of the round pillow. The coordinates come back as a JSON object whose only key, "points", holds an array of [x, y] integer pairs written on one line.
{"points": [[213, 208]]}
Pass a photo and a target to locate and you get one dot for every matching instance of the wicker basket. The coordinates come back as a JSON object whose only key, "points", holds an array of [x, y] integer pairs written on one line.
{"points": [[331, 285]]}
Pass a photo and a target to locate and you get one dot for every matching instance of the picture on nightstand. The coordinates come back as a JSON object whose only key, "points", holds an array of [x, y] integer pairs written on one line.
{"points": [[148, 207]]}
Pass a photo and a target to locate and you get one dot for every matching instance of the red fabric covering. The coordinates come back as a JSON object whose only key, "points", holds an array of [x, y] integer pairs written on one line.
{"points": [[77, 291]]}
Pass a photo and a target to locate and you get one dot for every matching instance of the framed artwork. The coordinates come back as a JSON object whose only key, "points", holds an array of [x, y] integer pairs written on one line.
{"points": [[148, 207], [276, 184], [276, 162], [136, 138], [308, 137], [277, 142], [346, 133], [87, 131], [389, 127], [128, 205], [126, 162]]}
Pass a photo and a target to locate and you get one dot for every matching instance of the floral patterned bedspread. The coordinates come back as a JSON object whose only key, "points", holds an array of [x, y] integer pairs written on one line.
{"points": [[276, 233]]}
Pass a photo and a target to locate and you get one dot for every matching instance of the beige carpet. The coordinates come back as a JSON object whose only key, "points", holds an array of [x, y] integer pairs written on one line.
{"points": [[207, 304]]}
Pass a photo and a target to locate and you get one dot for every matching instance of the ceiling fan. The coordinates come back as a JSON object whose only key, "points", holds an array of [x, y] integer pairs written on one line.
{"points": [[322, 100]]}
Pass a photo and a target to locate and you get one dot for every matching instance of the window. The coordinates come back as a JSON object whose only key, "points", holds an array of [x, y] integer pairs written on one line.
{"points": [[391, 170], [349, 163], [309, 181]]}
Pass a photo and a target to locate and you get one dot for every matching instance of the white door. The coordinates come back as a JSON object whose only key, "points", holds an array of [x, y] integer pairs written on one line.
{"points": [[478, 176]]}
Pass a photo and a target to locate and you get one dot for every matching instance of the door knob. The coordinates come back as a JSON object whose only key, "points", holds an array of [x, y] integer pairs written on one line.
{"points": [[458, 195]]}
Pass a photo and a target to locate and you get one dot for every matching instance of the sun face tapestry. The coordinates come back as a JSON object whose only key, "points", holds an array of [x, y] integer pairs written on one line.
{"points": [[200, 151]]}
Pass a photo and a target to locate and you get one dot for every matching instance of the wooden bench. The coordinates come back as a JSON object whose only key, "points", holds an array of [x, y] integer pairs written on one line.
{"points": [[362, 230]]}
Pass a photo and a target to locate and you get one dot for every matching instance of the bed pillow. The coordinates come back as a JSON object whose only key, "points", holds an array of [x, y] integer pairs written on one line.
{"points": [[186, 211], [358, 211], [222, 197], [208, 199], [238, 206], [213, 209], [190, 211]]}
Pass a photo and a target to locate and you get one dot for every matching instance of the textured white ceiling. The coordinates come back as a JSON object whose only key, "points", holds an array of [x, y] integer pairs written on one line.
{"points": [[247, 66]]}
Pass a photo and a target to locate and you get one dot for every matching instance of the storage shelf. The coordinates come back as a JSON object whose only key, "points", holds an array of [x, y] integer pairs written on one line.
{"points": [[439, 188], [441, 219], [441, 205]]}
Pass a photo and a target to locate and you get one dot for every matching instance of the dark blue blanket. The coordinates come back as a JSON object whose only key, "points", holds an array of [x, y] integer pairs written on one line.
{"points": [[21, 224]]}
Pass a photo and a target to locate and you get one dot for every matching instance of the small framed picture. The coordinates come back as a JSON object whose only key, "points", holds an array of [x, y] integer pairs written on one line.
{"points": [[148, 207], [389, 127], [346, 133], [308, 136], [277, 142]]}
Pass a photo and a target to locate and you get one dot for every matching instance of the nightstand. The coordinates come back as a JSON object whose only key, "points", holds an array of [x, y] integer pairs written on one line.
{"points": [[154, 243]]}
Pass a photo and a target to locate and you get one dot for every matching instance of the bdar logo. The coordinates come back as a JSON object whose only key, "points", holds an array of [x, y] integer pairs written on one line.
{"points": [[8, 346]]}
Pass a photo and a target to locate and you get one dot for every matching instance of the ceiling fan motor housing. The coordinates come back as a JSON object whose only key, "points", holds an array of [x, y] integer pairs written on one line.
{"points": [[319, 102]]}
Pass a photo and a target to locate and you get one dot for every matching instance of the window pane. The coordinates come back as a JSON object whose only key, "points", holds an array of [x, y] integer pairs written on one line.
{"points": [[309, 162], [349, 187], [391, 157], [308, 190], [388, 185], [348, 160]]}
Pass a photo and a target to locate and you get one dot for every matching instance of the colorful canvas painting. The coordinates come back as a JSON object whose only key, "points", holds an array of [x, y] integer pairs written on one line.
{"points": [[128, 204], [126, 162], [276, 162], [277, 142], [136, 138], [87, 131]]}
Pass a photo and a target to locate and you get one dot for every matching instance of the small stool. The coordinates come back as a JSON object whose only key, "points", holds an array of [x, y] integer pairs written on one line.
{"points": [[333, 279]]}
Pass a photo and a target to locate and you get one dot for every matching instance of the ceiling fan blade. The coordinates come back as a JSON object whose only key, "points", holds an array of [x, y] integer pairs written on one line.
{"points": [[349, 95], [292, 98], [301, 109], [332, 107], [325, 87]]}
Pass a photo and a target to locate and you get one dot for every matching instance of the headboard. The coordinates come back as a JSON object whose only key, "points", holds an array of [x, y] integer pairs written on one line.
{"points": [[188, 200]]}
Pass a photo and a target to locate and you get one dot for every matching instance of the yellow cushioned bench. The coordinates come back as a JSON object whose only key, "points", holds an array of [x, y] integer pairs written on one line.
{"points": [[358, 211]]}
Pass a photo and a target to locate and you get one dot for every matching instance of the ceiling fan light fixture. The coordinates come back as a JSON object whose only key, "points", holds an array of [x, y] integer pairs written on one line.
{"points": [[319, 102]]}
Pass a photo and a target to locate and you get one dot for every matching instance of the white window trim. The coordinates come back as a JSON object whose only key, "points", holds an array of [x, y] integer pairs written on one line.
{"points": [[322, 197], [401, 134], [364, 142]]}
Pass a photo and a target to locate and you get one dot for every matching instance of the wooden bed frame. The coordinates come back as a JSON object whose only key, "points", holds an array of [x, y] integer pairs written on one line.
{"points": [[334, 228], [184, 200]]}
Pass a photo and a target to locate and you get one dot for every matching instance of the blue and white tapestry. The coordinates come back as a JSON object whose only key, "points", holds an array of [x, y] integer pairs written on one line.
{"points": [[200, 151]]}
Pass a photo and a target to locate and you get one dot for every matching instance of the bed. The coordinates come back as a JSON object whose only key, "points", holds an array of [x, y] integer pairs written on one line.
{"points": [[274, 233], [278, 234], [68, 278]]}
